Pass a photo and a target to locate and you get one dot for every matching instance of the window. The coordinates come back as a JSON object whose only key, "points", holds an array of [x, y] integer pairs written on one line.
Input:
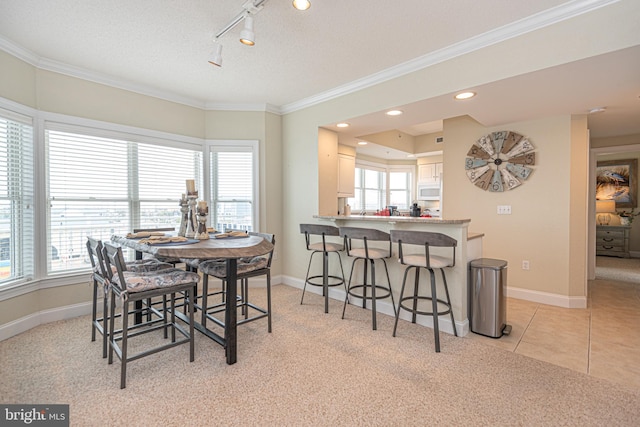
{"points": [[400, 186], [233, 171], [375, 184], [16, 198], [99, 186]]}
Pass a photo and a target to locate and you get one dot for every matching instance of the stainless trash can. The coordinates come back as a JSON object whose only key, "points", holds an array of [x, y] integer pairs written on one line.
{"points": [[487, 297]]}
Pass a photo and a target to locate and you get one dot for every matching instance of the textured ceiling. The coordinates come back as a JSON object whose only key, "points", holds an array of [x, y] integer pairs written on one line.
{"points": [[160, 47]]}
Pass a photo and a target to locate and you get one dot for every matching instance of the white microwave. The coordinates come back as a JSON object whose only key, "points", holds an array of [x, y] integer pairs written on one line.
{"points": [[428, 192]]}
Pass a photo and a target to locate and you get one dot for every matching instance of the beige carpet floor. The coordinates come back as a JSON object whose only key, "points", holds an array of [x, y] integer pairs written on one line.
{"points": [[315, 369]]}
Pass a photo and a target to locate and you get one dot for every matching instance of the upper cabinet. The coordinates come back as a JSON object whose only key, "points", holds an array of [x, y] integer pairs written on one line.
{"points": [[346, 175], [430, 174]]}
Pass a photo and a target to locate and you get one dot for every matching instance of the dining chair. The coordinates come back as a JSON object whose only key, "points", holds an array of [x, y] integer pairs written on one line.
{"points": [[246, 268], [368, 254], [99, 278], [425, 259], [131, 287], [324, 247]]}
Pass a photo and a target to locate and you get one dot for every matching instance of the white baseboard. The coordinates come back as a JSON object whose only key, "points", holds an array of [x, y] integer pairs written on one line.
{"points": [[547, 298], [46, 316], [25, 323], [384, 307]]}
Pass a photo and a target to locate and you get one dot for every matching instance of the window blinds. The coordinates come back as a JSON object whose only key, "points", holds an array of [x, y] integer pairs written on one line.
{"points": [[102, 186], [16, 197], [232, 187]]}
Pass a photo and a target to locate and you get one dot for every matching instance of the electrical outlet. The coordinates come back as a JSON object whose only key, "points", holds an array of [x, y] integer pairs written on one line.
{"points": [[525, 265], [504, 209], [275, 255]]}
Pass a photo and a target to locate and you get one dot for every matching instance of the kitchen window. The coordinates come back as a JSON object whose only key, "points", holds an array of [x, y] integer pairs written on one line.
{"points": [[376, 184]]}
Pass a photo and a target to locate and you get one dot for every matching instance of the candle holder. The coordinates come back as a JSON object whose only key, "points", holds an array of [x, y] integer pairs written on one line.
{"points": [[202, 233], [192, 196], [184, 217]]}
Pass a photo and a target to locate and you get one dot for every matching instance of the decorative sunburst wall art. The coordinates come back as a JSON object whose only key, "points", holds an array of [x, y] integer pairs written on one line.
{"points": [[500, 161], [617, 180]]}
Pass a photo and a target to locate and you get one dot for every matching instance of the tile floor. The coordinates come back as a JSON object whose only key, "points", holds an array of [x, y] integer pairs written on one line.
{"points": [[602, 340]]}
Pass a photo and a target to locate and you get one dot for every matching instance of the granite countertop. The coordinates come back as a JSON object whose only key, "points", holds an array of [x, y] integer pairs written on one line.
{"points": [[410, 219]]}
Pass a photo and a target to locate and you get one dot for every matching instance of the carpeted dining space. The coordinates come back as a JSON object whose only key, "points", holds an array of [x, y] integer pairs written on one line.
{"points": [[314, 369]]}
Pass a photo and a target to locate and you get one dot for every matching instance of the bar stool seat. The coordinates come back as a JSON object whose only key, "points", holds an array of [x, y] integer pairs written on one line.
{"points": [[424, 259], [325, 247], [368, 255]]}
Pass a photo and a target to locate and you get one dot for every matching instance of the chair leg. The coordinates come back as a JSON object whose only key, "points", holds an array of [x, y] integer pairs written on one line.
{"points": [[373, 295], [205, 292], [269, 301], [393, 302], [344, 281], [415, 296], [434, 304], [191, 321], [173, 315], [105, 317], [446, 291], [111, 334], [125, 332], [94, 309], [306, 279], [346, 297], [404, 281]]}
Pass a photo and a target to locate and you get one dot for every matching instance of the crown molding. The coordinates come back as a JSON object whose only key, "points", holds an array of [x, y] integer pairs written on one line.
{"points": [[534, 22]]}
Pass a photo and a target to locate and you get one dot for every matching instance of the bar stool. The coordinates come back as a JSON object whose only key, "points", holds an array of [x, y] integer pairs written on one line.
{"points": [[428, 261], [368, 255], [325, 247], [99, 277]]}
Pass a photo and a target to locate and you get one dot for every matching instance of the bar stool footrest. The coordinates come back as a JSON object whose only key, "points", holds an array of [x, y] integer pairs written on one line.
{"points": [[387, 292], [331, 281], [424, 298]]}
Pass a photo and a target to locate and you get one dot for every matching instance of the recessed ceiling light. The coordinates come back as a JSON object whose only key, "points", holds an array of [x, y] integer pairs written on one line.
{"points": [[362, 142], [301, 4], [465, 95], [393, 112], [597, 110], [343, 125]]}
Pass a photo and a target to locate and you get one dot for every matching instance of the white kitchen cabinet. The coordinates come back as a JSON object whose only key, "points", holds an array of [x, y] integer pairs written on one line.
{"points": [[346, 175], [430, 173]]}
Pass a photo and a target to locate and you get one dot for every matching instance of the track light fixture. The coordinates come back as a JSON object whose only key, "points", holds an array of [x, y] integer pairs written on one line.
{"points": [[247, 35], [216, 56]]}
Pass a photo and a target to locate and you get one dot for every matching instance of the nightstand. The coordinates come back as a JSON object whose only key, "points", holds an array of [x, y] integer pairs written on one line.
{"points": [[613, 240]]}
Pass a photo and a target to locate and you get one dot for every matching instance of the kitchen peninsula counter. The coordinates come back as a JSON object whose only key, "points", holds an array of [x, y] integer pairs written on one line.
{"points": [[395, 218], [469, 248]]}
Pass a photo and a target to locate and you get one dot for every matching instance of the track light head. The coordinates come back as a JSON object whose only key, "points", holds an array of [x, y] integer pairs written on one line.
{"points": [[216, 56], [247, 36]]}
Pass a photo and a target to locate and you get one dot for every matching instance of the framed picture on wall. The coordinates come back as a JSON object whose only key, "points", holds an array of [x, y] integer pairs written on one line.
{"points": [[618, 180]]}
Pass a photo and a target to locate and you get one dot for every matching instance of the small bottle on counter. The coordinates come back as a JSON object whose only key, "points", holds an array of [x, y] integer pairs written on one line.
{"points": [[347, 210]]}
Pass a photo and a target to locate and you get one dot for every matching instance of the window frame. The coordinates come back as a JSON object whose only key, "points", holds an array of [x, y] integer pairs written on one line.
{"points": [[386, 170], [250, 145]]}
